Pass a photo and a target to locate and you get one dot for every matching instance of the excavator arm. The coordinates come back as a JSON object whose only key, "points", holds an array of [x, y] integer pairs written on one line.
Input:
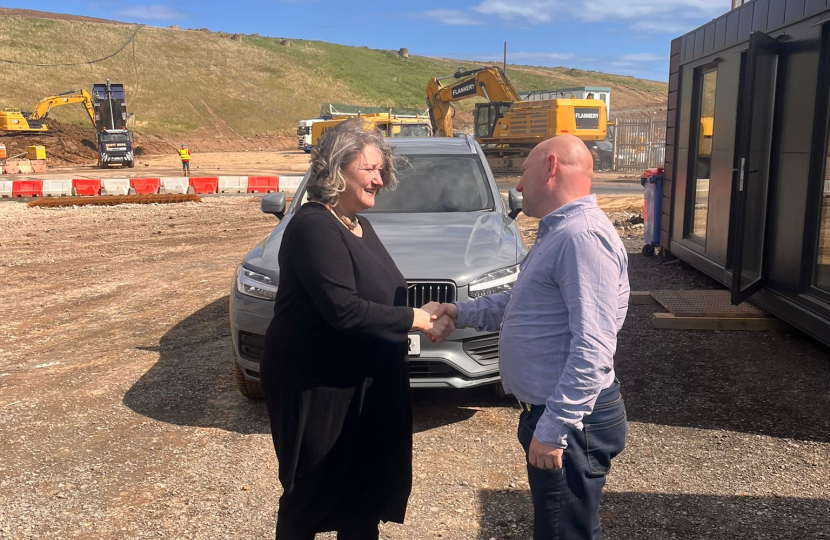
{"points": [[488, 82], [64, 98]]}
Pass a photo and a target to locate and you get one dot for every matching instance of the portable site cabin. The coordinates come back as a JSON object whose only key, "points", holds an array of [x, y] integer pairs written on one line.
{"points": [[747, 174]]}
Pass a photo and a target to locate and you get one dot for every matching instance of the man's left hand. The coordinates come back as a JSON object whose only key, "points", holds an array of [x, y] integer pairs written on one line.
{"points": [[543, 456]]}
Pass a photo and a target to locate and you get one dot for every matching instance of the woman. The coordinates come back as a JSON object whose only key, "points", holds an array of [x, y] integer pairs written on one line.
{"points": [[334, 369]]}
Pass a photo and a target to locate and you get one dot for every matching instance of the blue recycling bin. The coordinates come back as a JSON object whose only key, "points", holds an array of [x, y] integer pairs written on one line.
{"points": [[652, 181]]}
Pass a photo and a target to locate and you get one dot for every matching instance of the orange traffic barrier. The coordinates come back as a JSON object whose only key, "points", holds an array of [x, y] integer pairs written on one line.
{"points": [[205, 185], [38, 165], [27, 188], [263, 184], [86, 186], [145, 186]]}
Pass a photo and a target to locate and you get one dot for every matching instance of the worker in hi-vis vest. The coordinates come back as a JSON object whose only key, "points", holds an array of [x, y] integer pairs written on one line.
{"points": [[184, 153]]}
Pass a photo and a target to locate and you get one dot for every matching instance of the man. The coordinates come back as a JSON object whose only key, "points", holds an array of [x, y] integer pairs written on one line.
{"points": [[559, 329], [184, 153]]}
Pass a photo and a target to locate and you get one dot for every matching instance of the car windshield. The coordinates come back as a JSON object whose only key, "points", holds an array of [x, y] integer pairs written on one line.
{"points": [[435, 183], [115, 137], [411, 130], [303, 130]]}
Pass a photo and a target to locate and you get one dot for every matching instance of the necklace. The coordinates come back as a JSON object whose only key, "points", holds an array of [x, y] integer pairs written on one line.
{"points": [[350, 223]]}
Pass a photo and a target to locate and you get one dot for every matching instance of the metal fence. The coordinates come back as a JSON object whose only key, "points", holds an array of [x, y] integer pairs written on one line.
{"points": [[639, 143]]}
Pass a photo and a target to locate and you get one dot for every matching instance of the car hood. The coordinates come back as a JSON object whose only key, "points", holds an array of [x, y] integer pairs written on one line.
{"points": [[436, 246]]}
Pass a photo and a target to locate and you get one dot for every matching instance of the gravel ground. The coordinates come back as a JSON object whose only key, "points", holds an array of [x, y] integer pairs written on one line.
{"points": [[119, 417]]}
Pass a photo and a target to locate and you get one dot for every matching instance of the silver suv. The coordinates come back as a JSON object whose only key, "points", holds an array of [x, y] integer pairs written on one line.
{"points": [[449, 232]]}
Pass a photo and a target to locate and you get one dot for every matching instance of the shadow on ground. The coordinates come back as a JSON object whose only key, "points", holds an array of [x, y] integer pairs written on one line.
{"points": [[766, 383], [647, 516], [193, 384]]}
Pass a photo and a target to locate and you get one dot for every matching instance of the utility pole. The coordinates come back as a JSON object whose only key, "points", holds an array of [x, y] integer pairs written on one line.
{"points": [[504, 62]]}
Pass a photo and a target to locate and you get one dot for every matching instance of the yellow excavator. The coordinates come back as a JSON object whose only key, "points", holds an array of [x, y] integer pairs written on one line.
{"points": [[507, 127], [390, 125], [20, 121]]}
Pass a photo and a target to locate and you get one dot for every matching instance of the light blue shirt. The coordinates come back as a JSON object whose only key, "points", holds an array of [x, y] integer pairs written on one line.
{"points": [[559, 324]]}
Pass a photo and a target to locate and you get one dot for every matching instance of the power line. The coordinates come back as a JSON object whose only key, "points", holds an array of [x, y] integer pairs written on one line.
{"points": [[78, 63]]}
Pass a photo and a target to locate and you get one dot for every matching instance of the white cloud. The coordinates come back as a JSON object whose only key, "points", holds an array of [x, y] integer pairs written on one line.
{"points": [[534, 11], [642, 57], [664, 16], [452, 17], [153, 12]]}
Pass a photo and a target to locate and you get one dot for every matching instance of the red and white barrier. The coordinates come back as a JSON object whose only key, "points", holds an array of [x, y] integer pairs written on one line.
{"points": [[263, 184], [233, 184], [57, 188], [27, 188], [86, 186], [204, 185], [290, 181], [175, 185], [24, 167], [145, 186]]}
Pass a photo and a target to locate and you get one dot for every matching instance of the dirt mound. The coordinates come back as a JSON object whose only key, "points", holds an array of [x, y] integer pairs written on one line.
{"points": [[68, 144], [65, 144]]}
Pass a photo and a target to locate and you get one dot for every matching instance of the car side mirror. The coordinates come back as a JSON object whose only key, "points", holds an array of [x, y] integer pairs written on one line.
{"points": [[274, 203], [514, 202]]}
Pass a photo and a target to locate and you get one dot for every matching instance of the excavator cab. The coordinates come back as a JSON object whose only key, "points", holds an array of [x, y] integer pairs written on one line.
{"points": [[487, 114]]}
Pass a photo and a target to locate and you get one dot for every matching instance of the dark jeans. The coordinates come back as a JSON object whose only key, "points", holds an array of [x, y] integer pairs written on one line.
{"points": [[566, 501]]}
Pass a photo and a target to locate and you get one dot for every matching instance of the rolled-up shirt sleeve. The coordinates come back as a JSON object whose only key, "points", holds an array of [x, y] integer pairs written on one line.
{"points": [[484, 312], [587, 272]]}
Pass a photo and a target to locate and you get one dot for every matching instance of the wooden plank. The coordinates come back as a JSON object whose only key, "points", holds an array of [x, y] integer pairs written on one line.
{"points": [[642, 298], [667, 321]]}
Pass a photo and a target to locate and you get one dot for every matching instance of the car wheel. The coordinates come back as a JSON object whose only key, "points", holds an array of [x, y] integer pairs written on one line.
{"points": [[249, 389], [606, 164], [498, 391], [131, 164]]}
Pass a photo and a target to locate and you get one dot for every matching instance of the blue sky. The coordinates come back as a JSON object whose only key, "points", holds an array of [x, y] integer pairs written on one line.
{"points": [[629, 37]]}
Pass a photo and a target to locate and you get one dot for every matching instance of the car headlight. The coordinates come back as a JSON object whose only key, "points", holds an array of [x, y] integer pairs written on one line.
{"points": [[251, 283], [494, 282]]}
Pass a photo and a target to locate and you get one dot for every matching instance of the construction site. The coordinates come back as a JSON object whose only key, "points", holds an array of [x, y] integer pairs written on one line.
{"points": [[124, 412]]}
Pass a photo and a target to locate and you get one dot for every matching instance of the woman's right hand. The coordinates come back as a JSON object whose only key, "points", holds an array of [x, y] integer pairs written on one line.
{"points": [[422, 320]]}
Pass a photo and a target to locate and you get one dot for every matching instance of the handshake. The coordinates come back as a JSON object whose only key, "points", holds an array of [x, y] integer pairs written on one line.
{"points": [[436, 321]]}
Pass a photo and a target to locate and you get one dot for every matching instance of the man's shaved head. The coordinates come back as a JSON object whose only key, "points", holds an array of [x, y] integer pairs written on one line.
{"points": [[556, 172]]}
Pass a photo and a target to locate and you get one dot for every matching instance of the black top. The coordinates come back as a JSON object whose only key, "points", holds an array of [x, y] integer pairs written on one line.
{"points": [[335, 376]]}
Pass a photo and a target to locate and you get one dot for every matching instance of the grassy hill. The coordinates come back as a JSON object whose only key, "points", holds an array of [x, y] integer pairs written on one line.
{"points": [[187, 81]]}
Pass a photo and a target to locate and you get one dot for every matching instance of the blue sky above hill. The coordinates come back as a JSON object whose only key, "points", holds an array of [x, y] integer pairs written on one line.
{"points": [[628, 37]]}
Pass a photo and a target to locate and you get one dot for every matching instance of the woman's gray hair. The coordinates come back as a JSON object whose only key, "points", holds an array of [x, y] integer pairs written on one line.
{"points": [[338, 148]]}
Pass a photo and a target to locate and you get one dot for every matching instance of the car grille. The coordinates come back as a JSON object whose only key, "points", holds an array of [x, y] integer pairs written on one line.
{"points": [[251, 346], [431, 369], [419, 294], [484, 350]]}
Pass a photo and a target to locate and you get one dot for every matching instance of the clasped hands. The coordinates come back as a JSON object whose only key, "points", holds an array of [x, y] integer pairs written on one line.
{"points": [[443, 317], [436, 321]]}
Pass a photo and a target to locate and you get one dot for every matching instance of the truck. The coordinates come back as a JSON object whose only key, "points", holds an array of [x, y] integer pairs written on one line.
{"points": [[304, 133], [506, 127], [112, 138]]}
